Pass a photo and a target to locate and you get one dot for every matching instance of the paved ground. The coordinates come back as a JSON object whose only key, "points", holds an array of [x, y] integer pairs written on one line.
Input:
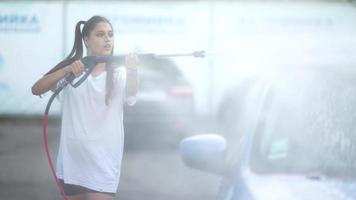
{"points": [[146, 174]]}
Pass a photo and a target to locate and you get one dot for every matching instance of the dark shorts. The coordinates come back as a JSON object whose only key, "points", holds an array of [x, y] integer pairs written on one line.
{"points": [[71, 190]]}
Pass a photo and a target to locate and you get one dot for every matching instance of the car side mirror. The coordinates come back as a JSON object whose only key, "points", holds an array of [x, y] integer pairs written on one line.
{"points": [[204, 152]]}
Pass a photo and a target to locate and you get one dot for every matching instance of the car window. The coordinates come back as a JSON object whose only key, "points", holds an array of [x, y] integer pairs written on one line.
{"points": [[308, 125]]}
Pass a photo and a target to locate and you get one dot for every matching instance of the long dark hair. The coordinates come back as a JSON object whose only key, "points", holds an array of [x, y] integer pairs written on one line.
{"points": [[77, 52]]}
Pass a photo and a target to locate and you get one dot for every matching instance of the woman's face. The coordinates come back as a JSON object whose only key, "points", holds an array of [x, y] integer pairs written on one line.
{"points": [[100, 41]]}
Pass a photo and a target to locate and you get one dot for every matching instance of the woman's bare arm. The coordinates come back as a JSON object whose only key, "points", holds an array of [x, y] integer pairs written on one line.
{"points": [[132, 80], [49, 81]]}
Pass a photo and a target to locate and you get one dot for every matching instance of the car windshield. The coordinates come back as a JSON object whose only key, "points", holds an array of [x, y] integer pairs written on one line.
{"points": [[308, 125]]}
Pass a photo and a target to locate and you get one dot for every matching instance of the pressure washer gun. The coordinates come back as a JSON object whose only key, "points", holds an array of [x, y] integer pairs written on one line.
{"points": [[91, 61]]}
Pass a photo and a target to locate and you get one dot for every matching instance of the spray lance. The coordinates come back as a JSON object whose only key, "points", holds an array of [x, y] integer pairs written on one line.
{"points": [[90, 62]]}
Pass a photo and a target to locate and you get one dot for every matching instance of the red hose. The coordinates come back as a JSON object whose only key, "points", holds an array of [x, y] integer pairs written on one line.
{"points": [[45, 143]]}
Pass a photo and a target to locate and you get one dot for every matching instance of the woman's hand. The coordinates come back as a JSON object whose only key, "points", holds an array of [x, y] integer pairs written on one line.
{"points": [[77, 68], [131, 61]]}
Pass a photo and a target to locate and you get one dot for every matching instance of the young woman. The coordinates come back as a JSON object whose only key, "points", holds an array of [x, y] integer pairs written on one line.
{"points": [[92, 133]]}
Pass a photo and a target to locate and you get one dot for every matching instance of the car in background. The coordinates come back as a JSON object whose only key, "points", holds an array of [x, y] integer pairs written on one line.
{"points": [[299, 140], [164, 111]]}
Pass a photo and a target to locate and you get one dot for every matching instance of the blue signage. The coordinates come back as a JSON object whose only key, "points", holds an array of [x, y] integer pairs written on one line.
{"points": [[3, 85], [19, 23]]}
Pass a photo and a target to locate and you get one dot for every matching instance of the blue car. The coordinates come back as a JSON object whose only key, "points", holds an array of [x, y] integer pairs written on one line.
{"points": [[296, 139]]}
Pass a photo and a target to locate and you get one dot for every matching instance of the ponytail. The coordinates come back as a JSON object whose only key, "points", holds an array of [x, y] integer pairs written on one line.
{"points": [[77, 50]]}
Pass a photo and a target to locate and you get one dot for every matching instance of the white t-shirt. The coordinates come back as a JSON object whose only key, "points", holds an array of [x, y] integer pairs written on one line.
{"points": [[92, 133]]}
